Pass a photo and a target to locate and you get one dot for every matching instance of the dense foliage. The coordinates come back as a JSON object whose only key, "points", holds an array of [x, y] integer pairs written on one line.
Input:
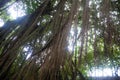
{"points": [[59, 39]]}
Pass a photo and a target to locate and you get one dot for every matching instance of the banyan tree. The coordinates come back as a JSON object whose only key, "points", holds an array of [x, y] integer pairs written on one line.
{"points": [[59, 39]]}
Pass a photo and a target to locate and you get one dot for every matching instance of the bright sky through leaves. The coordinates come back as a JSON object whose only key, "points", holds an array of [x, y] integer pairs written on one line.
{"points": [[16, 11], [1, 22], [104, 72]]}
